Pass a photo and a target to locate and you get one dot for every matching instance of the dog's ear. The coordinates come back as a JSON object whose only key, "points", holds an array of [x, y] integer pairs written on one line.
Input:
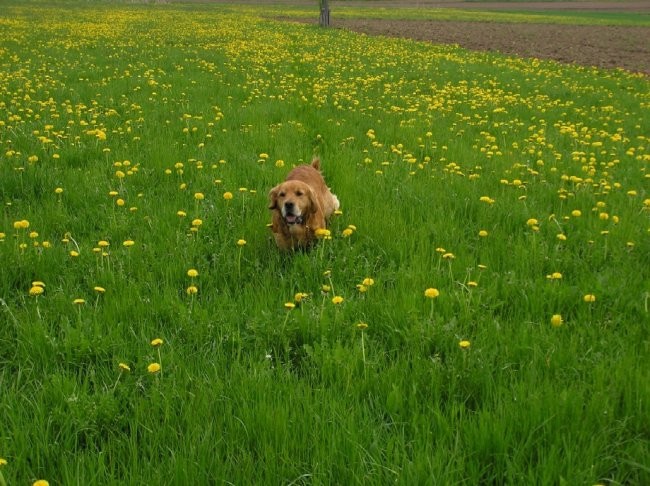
{"points": [[316, 217], [273, 198], [315, 163]]}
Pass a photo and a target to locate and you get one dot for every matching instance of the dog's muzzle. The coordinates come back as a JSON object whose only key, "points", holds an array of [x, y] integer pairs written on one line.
{"points": [[288, 214], [293, 219]]}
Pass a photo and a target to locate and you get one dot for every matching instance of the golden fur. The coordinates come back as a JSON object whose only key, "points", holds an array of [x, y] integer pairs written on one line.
{"points": [[301, 205]]}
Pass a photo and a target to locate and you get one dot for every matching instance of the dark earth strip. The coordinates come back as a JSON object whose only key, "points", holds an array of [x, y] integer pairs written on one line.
{"points": [[587, 45]]}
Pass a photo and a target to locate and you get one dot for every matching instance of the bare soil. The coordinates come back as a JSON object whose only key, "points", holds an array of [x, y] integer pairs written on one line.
{"points": [[602, 46]]}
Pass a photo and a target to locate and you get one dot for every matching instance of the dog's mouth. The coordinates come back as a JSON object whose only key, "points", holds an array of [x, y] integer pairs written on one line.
{"points": [[292, 219]]}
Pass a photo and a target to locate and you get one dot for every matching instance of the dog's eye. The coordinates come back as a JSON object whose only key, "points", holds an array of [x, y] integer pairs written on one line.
{"points": [[281, 194], [299, 193]]}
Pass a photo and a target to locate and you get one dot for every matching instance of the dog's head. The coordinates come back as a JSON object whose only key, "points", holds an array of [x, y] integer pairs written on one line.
{"points": [[295, 201]]}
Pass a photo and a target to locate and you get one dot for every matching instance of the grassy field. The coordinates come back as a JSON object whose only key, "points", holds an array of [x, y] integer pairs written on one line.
{"points": [[478, 316], [475, 12]]}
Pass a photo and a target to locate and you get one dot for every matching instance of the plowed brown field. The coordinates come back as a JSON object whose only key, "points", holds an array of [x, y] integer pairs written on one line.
{"points": [[589, 45]]}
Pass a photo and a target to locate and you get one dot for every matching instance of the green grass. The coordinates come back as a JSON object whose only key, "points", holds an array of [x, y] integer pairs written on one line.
{"points": [[478, 14], [425, 146]]}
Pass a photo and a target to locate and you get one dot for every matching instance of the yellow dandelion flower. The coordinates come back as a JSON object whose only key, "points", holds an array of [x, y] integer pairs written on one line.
{"points": [[124, 367], [589, 298], [289, 305], [153, 368], [532, 222], [78, 301], [197, 222], [157, 342], [431, 293], [58, 190], [40, 482], [483, 233], [192, 289], [128, 243], [464, 344], [227, 196], [36, 290], [199, 196], [22, 224], [3, 461], [369, 282], [337, 299], [576, 213], [241, 242], [192, 273], [99, 290], [362, 326], [556, 320], [300, 296]]}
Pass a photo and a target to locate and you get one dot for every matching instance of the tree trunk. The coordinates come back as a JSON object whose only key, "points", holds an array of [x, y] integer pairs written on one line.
{"points": [[324, 19]]}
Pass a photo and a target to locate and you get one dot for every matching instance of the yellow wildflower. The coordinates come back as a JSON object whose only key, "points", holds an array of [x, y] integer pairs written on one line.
{"points": [[153, 368], [556, 320], [431, 293]]}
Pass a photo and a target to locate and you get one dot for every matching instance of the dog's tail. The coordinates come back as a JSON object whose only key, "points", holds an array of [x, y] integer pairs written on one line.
{"points": [[315, 162]]}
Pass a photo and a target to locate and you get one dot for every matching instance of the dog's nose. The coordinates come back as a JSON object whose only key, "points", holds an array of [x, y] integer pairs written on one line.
{"points": [[288, 206]]}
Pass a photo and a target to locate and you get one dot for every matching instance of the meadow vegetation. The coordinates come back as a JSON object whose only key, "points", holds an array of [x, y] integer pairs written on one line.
{"points": [[477, 315]]}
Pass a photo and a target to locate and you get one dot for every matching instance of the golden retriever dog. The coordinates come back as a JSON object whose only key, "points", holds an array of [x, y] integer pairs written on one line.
{"points": [[301, 205]]}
